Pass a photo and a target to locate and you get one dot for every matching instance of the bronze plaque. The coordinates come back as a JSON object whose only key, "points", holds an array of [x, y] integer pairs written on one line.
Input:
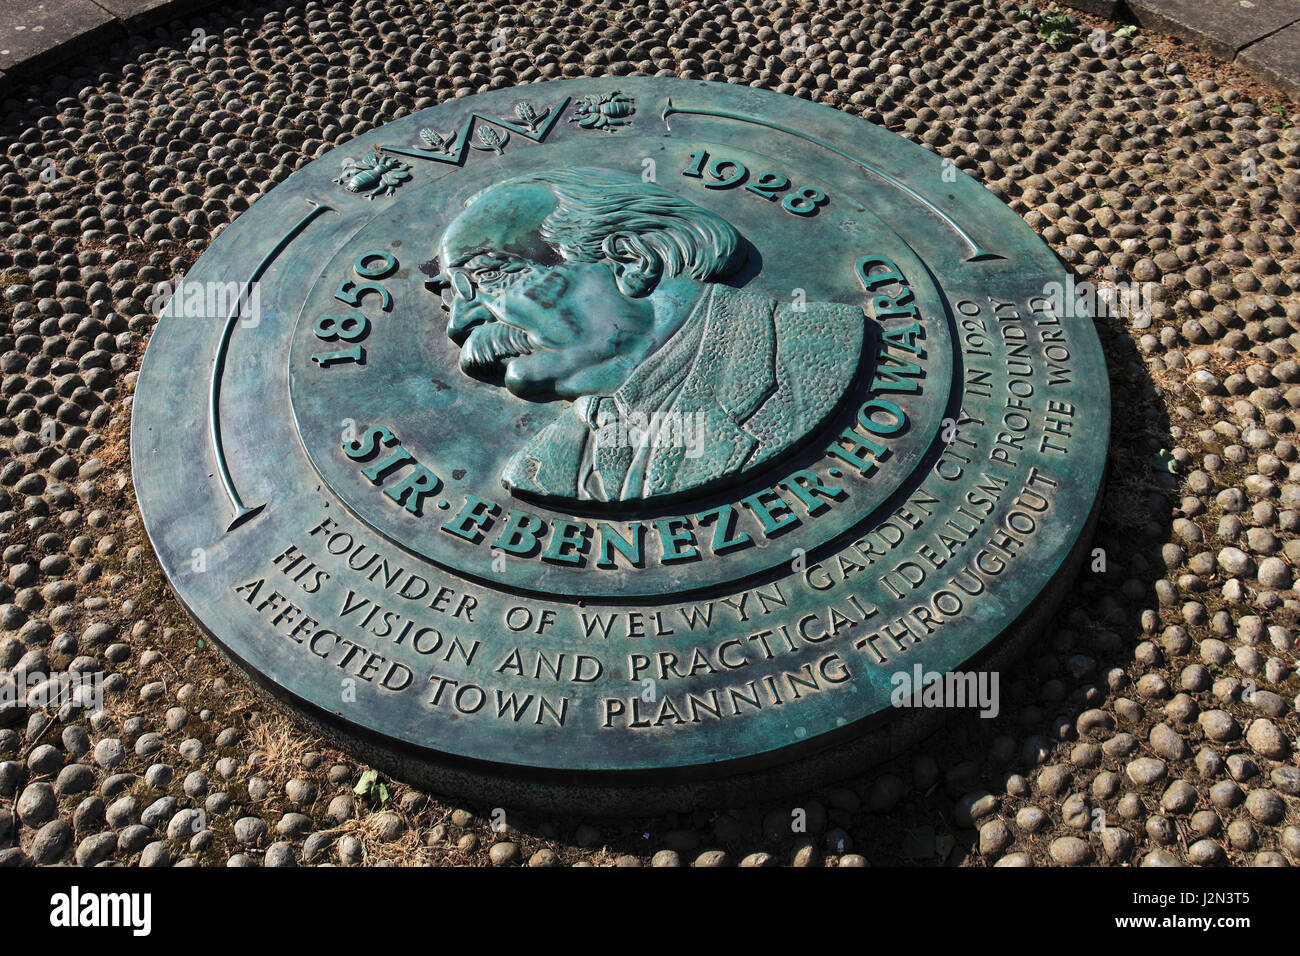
{"points": [[623, 442]]}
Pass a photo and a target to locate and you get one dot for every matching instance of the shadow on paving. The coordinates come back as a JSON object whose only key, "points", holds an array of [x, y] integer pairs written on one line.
{"points": [[1080, 661], [906, 811]]}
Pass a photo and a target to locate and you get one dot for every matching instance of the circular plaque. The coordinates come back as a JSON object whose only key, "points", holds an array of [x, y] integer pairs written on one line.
{"points": [[623, 442]]}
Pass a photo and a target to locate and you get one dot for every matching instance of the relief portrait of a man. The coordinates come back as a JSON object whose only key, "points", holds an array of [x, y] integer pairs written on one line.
{"points": [[592, 286]]}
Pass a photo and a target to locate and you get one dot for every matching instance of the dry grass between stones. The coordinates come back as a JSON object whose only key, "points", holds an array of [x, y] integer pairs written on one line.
{"points": [[280, 745], [409, 849]]}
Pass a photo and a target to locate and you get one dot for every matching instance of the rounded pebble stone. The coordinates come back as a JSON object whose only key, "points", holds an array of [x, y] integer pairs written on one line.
{"points": [[156, 854], [1167, 743], [50, 843], [1264, 737], [250, 830], [280, 854], [109, 753], [316, 847], [133, 838], [973, 807], [45, 760], [503, 854], [1219, 725], [301, 792], [73, 779], [1242, 835], [1265, 806], [1179, 798], [293, 824], [340, 808], [1070, 851], [1116, 843], [1144, 771], [195, 784], [95, 848], [1031, 819], [120, 813], [995, 836], [184, 824], [159, 811], [36, 804], [349, 850], [388, 826], [1286, 779], [76, 741]]}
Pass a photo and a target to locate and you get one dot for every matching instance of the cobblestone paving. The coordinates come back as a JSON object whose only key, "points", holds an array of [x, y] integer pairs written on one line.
{"points": [[1154, 723]]}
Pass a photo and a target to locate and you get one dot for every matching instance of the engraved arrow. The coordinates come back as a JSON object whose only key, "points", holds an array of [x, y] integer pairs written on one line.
{"points": [[242, 511], [977, 254]]}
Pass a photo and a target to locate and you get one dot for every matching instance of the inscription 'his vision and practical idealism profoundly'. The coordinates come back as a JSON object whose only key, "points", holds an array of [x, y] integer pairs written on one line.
{"points": [[648, 427]]}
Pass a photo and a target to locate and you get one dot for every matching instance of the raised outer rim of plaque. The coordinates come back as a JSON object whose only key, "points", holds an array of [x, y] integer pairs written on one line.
{"points": [[793, 769], [810, 762]]}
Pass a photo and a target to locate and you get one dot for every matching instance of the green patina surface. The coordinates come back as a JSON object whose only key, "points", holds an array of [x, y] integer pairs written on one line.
{"points": [[662, 440]]}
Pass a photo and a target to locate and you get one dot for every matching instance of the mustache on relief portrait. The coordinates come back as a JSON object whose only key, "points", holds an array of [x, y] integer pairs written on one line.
{"points": [[490, 344]]}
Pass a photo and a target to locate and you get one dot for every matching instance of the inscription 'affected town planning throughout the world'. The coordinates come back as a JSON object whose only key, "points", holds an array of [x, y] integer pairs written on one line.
{"points": [[618, 426]]}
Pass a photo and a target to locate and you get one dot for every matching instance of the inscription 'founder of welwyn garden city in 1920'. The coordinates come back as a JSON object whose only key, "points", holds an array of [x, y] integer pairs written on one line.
{"points": [[594, 432]]}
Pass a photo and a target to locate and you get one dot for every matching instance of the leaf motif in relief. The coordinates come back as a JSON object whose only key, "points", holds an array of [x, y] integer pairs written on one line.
{"points": [[436, 141], [489, 138]]}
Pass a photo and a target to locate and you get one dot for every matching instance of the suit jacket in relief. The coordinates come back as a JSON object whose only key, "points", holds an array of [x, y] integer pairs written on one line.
{"points": [[747, 376]]}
